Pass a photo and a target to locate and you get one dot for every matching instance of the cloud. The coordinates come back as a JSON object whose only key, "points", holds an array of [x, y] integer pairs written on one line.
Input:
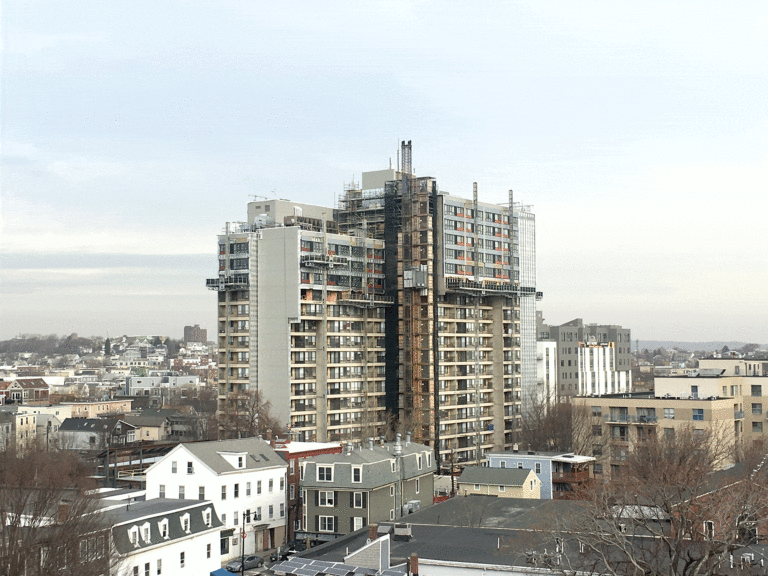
{"points": [[80, 171]]}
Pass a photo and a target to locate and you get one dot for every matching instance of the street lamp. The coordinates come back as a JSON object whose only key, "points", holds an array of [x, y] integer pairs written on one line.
{"points": [[242, 547]]}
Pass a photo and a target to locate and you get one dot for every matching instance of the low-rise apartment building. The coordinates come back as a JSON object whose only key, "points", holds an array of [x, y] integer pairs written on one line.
{"points": [[501, 482], [373, 483], [245, 480], [98, 408], [294, 453], [560, 474]]}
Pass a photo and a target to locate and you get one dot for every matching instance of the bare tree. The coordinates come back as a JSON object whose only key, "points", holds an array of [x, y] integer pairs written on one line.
{"points": [[666, 513], [49, 522], [246, 415], [558, 427]]}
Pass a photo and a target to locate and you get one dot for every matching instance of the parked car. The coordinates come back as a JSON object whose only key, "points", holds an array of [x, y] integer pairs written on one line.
{"points": [[250, 562]]}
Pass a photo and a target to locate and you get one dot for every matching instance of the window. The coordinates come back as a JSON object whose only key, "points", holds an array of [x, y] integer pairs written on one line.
{"points": [[185, 522], [538, 467], [181, 492], [163, 528], [258, 486], [282, 510], [520, 465], [257, 516], [223, 492], [201, 493], [394, 467], [417, 485], [357, 522], [247, 516], [392, 514], [135, 571], [429, 460], [133, 536], [247, 488], [292, 466], [669, 413], [757, 390], [173, 467], [598, 468], [207, 550], [161, 493], [757, 408], [709, 529], [207, 517], [239, 464], [325, 498], [145, 532], [533, 483], [271, 484], [597, 430], [146, 568], [325, 473], [271, 511], [418, 462], [236, 491], [291, 491], [181, 559], [301, 472], [503, 464], [159, 565], [190, 468], [757, 427], [357, 500], [698, 413], [326, 523], [597, 411], [392, 490], [597, 450]]}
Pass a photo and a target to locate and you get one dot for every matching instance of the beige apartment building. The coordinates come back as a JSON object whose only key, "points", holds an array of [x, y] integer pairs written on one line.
{"points": [[730, 395]]}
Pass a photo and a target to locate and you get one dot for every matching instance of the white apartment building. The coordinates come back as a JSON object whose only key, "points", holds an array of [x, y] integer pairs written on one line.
{"points": [[160, 537], [244, 479]]}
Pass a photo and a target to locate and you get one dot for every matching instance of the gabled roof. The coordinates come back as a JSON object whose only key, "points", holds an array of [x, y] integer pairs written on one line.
{"points": [[515, 477], [259, 454]]}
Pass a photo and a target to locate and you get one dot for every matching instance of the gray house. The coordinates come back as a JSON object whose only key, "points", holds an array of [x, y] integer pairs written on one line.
{"points": [[374, 483]]}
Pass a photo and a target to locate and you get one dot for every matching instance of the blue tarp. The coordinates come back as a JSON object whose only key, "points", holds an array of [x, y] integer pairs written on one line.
{"points": [[221, 572]]}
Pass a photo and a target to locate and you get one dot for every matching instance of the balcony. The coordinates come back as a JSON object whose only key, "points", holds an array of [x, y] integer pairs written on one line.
{"points": [[571, 477], [738, 414], [630, 419]]}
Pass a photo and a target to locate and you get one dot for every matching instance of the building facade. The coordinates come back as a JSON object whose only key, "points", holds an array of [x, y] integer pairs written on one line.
{"points": [[404, 303], [365, 485], [590, 358], [294, 453], [244, 479], [195, 334], [560, 474]]}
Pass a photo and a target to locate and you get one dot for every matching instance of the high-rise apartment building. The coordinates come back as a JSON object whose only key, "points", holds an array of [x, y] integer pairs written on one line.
{"points": [[195, 334], [402, 305], [591, 359]]}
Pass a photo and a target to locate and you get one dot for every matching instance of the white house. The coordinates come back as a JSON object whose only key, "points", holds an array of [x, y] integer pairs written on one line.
{"points": [[166, 537], [245, 479]]}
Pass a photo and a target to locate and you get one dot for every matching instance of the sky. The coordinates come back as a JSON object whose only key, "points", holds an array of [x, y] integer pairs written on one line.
{"points": [[131, 132]]}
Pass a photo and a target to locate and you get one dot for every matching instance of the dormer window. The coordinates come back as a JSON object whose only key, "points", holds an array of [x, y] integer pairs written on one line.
{"points": [[133, 535], [324, 474], [418, 461], [207, 516], [162, 527], [239, 461], [145, 532], [185, 522]]}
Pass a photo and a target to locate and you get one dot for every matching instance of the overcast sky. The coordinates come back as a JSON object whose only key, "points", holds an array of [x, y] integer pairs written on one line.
{"points": [[132, 131]]}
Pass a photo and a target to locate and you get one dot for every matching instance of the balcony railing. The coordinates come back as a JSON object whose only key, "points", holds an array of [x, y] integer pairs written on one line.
{"points": [[631, 419], [577, 476], [738, 414]]}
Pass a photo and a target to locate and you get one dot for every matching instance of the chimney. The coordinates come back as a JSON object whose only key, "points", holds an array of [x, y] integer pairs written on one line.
{"points": [[349, 448], [407, 438], [514, 447], [273, 443], [370, 443], [373, 532], [63, 512], [413, 564], [381, 439], [398, 445]]}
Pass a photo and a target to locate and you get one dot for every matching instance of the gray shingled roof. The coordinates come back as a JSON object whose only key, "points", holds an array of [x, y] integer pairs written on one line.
{"points": [[494, 476], [154, 511], [260, 454]]}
